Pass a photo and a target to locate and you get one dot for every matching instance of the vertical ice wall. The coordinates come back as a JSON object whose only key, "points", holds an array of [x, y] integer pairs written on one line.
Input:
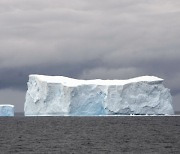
{"points": [[57, 95]]}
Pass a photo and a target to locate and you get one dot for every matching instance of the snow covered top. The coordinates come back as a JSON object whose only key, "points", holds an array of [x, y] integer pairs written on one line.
{"points": [[6, 105], [75, 82]]}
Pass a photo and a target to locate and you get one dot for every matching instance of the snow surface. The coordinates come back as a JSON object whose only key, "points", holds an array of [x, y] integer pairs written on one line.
{"points": [[6, 110], [74, 82], [58, 95]]}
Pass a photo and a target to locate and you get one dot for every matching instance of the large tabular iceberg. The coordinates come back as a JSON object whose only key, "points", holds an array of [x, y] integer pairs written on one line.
{"points": [[6, 110], [58, 95]]}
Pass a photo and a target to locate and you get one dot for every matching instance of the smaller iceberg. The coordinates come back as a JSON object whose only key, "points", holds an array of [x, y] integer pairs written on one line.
{"points": [[6, 110]]}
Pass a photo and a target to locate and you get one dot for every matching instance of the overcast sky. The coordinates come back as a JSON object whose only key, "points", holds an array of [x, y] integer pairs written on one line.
{"points": [[108, 39]]}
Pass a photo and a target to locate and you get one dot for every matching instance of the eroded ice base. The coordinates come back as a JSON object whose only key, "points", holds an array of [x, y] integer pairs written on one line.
{"points": [[58, 95]]}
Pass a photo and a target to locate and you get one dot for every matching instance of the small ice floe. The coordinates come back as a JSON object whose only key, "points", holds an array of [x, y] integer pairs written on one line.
{"points": [[6, 110]]}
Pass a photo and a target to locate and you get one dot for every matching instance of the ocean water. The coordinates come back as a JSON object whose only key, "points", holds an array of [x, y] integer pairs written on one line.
{"points": [[71, 135]]}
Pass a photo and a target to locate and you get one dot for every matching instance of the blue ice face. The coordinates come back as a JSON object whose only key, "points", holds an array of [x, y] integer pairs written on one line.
{"points": [[59, 96], [87, 100], [6, 110]]}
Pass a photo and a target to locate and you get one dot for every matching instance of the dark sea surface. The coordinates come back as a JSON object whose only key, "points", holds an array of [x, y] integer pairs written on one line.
{"points": [[123, 134]]}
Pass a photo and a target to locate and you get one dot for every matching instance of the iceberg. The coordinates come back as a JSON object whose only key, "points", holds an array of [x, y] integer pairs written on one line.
{"points": [[63, 96], [6, 110]]}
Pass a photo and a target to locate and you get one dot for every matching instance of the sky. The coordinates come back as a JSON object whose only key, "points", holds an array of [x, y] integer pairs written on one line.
{"points": [[88, 39]]}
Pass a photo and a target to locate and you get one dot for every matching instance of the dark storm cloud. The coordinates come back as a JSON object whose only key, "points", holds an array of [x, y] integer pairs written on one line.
{"points": [[89, 39], [18, 77]]}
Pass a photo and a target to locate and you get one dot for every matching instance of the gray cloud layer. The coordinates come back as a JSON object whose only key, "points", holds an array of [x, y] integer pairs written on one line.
{"points": [[89, 39]]}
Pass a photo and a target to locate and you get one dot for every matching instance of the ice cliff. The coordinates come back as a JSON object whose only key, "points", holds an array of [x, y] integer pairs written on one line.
{"points": [[6, 110], [58, 95]]}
